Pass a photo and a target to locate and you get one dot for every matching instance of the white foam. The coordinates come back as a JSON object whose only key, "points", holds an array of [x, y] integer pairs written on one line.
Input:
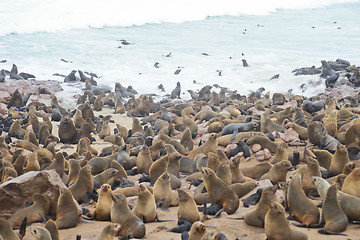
{"points": [[18, 16]]}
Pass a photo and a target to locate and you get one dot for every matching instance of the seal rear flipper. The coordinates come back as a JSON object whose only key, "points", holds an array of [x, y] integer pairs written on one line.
{"points": [[217, 214], [185, 235], [78, 237], [323, 231], [90, 215], [183, 225], [22, 229], [302, 225], [43, 217], [159, 220]]}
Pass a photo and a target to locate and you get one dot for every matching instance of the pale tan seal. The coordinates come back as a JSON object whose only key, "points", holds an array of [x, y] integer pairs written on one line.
{"points": [[131, 225], [145, 207], [187, 207], [277, 226]]}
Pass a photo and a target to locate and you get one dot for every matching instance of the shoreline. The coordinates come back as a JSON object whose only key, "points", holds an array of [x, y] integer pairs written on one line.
{"points": [[231, 228]]}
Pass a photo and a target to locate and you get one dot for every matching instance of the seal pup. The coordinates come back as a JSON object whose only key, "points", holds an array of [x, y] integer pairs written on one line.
{"points": [[67, 212], [278, 172], [103, 206], [109, 232], [197, 231], [131, 225], [235, 128], [277, 227], [35, 213], [176, 92], [40, 233]]}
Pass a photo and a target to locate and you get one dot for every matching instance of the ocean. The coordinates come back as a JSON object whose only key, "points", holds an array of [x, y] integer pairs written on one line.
{"points": [[203, 37]]}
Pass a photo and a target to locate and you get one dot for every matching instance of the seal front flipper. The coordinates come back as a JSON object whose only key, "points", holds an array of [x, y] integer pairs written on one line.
{"points": [[302, 225], [185, 235], [236, 131], [22, 229], [159, 220]]}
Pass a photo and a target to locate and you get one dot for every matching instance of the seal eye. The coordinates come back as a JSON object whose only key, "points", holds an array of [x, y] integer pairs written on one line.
{"points": [[34, 231]]}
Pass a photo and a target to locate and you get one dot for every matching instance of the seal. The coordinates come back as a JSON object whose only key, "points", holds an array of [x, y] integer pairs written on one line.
{"points": [[339, 160], [41, 233], [326, 70], [256, 171], [6, 231], [268, 126], [83, 184], [323, 157], [71, 77], [131, 225], [281, 153], [278, 172], [209, 146], [302, 131], [40, 208], [145, 207], [163, 193], [349, 203], [264, 142], [103, 206], [67, 212], [224, 173], [300, 207], [218, 192], [256, 217], [109, 232], [187, 207], [158, 168], [104, 177], [351, 182], [241, 189], [53, 229], [67, 131], [319, 136], [144, 160], [197, 231], [334, 218], [312, 169], [277, 226], [235, 128]]}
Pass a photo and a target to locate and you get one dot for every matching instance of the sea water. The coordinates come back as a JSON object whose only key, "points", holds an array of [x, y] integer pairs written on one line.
{"points": [[203, 37]]}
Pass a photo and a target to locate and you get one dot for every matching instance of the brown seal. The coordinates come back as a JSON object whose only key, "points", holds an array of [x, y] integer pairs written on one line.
{"points": [[351, 183], [83, 184], [339, 160], [34, 213], [256, 171], [312, 169], [67, 212], [187, 207], [163, 192], [40, 233], [224, 173], [281, 153], [278, 172], [109, 232], [268, 126], [158, 168], [277, 226], [104, 177], [197, 231], [351, 136], [67, 131], [74, 168], [105, 130], [241, 189], [6, 231], [145, 207], [264, 142], [209, 146], [186, 140], [300, 207], [53, 229], [323, 157], [16, 130], [131, 225], [78, 119], [334, 218], [330, 123], [103, 206], [256, 217], [119, 106], [144, 160], [218, 191], [302, 131]]}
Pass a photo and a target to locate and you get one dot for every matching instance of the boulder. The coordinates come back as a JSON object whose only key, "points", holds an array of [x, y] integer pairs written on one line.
{"points": [[15, 192]]}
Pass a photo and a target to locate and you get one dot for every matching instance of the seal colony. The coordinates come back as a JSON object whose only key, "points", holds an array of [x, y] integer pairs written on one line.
{"points": [[186, 168]]}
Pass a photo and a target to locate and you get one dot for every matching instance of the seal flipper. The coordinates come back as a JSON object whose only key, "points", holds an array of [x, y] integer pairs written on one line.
{"points": [[183, 225], [22, 229], [302, 225], [43, 217], [159, 220], [78, 237], [185, 235], [236, 131], [323, 231]]}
